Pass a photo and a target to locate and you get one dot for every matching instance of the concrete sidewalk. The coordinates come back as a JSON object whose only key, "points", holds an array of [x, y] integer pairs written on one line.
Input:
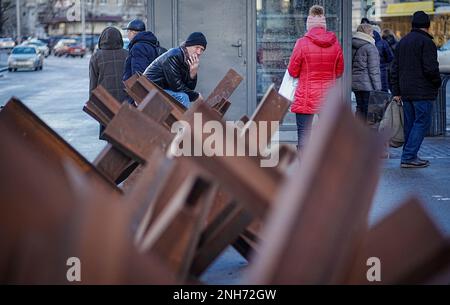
{"points": [[3, 62], [431, 185]]}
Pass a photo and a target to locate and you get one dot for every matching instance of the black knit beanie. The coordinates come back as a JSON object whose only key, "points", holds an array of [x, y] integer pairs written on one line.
{"points": [[196, 39], [420, 20]]}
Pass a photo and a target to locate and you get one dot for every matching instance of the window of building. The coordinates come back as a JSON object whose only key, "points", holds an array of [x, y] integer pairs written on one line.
{"points": [[279, 23]]}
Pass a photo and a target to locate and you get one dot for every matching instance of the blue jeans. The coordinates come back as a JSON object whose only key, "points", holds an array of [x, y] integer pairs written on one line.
{"points": [[417, 122], [304, 124], [181, 97]]}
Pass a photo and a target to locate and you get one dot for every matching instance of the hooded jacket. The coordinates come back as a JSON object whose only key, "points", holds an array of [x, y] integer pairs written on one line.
{"points": [[366, 63], [317, 60], [391, 40], [142, 52], [386, 57], [107, 64]]}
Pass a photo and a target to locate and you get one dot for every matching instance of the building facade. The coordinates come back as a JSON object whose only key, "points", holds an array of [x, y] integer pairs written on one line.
{"points": [[99, 14], [40, 18], [254, 37], [396, 15]]}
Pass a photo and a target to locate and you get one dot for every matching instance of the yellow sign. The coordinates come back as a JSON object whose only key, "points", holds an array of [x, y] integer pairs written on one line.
{"points": [[408, 8]]}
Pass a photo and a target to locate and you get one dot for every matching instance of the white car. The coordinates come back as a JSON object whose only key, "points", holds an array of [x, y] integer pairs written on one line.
{"points": [[7, 43], [41, 46], [25, 57], [444, 58]]}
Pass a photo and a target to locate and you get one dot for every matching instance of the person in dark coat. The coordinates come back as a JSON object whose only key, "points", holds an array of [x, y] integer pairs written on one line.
{"points": [[415, 82], [142, 48], [391, 39], [386, 57], [389, 36], [107, 64], [176, 70]]}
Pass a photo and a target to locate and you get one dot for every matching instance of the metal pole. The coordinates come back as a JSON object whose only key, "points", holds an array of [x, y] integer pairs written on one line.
{"points": [[19, 38], [83, 23]]}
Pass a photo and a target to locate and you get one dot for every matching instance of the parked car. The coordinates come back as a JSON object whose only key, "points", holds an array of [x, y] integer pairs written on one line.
{"points": [[75, 50], [61, 48], [41, 46], [91, 41], [126, 43], [53, 40], [444, 58], [46, 41], [7, 43], [25, 57]]}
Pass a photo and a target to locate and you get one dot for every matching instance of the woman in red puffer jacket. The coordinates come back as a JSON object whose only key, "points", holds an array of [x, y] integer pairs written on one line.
{"points": [[317, 60]]}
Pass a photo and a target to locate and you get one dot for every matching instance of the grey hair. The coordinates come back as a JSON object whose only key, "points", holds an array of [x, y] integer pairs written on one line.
{"points": [[365, 28]]}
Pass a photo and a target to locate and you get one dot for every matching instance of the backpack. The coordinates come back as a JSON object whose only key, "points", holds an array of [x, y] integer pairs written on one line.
{"points": [[159, 50]]}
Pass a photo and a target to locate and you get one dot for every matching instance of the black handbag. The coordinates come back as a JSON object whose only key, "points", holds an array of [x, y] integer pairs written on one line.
{"points": [[378, 101]]}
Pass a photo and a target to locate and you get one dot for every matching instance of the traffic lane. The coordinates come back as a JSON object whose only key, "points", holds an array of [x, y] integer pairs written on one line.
{"points": [[57, 95]]}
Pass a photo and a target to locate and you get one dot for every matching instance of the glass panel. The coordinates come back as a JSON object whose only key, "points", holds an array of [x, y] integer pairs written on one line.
{"points": [[279, 24]]}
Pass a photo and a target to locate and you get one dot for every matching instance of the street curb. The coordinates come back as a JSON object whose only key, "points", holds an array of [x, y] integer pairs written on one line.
{"points": [[3, 70]]}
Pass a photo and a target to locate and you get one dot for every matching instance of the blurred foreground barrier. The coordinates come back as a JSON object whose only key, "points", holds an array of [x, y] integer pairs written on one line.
{"points": [[302, 221]]}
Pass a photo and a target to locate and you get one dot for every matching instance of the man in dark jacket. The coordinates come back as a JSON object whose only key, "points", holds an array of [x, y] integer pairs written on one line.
{"points": [[176, 70], [391, 39], [142, 48], [415, 82], [107, 64], [386, 57]]}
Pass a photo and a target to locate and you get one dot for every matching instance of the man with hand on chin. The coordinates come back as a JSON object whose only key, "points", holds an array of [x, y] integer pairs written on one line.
{"points": [[176, 70]]}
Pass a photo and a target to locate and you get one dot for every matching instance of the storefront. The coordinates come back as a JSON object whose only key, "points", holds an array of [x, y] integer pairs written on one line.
{"points": [[254, 37], [396, 15]]}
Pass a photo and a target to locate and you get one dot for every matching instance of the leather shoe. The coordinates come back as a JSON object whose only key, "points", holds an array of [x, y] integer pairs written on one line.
{"points": [[415, 164], [423, 160]]}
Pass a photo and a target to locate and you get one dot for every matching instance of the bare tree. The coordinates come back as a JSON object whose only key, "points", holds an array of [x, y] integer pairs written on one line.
{"points": [[50, 11], [5, 6]]}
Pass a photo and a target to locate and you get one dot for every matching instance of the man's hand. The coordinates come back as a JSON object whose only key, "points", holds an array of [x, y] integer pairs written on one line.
{"points": [[398, 100], [199, 98], [193, 62]]}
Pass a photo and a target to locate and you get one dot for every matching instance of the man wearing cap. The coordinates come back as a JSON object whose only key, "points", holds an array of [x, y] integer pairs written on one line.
{"points": [[415, 82], [176, 70], [142, 48]]}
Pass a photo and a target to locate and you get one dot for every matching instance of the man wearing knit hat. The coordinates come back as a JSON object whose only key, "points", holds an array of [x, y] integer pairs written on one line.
{"points": [[176, 70], [415, 81]]}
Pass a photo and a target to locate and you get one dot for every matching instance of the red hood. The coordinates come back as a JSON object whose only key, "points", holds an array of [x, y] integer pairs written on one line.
{"points": [[321, 37]]}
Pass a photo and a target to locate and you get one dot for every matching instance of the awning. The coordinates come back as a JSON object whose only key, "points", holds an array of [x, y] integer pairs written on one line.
{"points": [[409, 8]]}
